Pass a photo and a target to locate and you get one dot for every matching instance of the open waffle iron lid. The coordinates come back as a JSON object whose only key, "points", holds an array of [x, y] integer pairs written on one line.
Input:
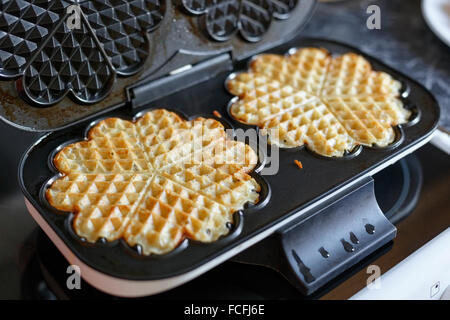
{"points": [[62, 61]]}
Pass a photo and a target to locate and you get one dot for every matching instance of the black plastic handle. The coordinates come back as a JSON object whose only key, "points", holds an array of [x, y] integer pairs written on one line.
{"points": [[336, 237]]}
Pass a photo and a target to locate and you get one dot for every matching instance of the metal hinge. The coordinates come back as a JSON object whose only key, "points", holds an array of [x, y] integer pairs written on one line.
{"points": [[178, 79]]}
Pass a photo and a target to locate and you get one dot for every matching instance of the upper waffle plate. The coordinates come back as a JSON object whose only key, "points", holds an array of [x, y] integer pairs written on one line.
{"points": [[251, 17], [58, 54], [70, 59]]}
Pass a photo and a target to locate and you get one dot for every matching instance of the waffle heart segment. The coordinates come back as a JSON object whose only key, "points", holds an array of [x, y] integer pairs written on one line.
{"points": [[154, 182], [330, 104], [351, 75], [303, 70]]}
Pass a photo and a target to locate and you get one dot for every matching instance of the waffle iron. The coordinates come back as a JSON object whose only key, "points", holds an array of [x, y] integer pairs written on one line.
{"points": [[142, 54]]}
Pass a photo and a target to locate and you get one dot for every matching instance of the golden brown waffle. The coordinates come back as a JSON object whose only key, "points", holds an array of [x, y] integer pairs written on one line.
{"points": [[155, 181], [309, 98], [351, 75], [311, 124], [304, 69]]}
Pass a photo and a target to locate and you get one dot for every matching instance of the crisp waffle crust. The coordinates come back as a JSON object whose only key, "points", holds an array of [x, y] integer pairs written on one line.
{"points": [[328, 104], [155, 181]]}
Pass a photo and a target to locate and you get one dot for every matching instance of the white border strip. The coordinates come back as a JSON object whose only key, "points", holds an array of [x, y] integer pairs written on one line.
{"points": [[441, 140]]}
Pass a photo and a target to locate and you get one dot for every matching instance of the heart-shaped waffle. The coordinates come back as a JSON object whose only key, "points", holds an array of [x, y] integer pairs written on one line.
{"points": [[155, 181], [309, 98]]}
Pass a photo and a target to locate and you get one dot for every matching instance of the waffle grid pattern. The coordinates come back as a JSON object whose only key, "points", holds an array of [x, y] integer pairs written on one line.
{"points": [[70, 60], [37, 44], [154, 182], [120, 26], [331, 105], [23, 25], [251, 18]]}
